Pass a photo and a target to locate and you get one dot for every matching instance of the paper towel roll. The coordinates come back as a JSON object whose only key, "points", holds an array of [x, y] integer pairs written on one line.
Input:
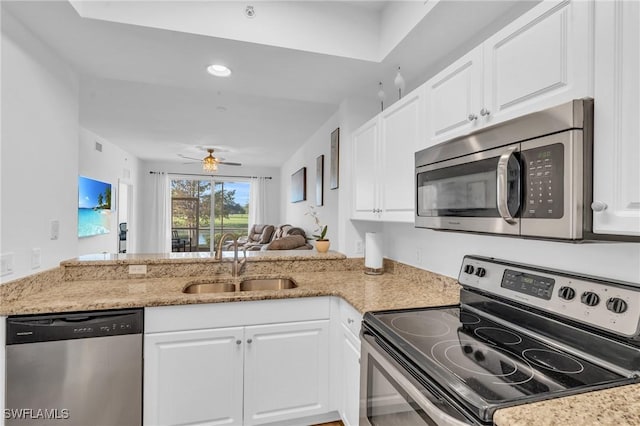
{"points": [[373, 253]]}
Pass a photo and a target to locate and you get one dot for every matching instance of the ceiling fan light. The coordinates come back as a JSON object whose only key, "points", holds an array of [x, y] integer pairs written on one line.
{"points": [[219, 70], [209, 164]]}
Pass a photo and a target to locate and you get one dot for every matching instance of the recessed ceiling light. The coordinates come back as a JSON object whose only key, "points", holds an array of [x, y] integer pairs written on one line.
{"points": [[219, 70]]}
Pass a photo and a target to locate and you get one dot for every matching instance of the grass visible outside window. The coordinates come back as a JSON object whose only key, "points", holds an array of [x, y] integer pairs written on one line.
{"points": [[192, 215]]}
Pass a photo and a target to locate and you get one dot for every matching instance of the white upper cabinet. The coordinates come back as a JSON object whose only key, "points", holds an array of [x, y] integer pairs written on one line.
{"points": [[383, 161], [616, 191], [541, 59], [365, 145], [453, 98], [401, 132]]}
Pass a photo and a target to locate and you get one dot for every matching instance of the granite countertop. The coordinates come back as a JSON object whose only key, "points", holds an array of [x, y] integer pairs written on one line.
{"points": [[404, 287], [364, 292], [619, 406], [197, 257]]}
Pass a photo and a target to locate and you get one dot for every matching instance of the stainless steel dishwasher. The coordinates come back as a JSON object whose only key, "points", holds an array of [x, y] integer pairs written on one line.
{"points": [[75, 369]]}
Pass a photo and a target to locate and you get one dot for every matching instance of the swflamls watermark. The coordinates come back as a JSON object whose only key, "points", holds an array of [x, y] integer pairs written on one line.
{"points": [[36, 413]]}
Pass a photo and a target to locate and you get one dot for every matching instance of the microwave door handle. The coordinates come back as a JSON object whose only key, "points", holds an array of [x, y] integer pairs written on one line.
{"points": [[503, 185]]}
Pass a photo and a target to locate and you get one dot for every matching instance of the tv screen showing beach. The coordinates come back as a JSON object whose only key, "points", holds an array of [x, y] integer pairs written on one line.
{"points": [[94, 207]]}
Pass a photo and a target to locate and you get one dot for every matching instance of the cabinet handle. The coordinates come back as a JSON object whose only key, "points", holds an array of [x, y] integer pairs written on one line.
{"points": [[238, 342], [472, 117], [249, 341], [484, 112], [598, 206]]}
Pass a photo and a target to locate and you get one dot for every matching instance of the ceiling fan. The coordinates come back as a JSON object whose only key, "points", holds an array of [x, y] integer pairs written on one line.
{"points": [[210, 163]]}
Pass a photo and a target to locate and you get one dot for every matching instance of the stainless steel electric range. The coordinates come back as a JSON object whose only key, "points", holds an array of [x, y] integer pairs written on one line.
{"points": [[520, 334]]}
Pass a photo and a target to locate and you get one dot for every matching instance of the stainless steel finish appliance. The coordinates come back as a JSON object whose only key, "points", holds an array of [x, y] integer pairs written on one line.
{"points": [[530, 176], [520, 334], [75, 369]]}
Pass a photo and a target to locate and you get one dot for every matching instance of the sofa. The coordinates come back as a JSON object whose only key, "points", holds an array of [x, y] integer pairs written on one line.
{"points": [[269, 237], [258, 236], [288, 237]]}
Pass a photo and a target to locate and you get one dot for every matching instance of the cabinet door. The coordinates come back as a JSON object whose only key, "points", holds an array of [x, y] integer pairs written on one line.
{"points": [[365, 145], [616, 128], [193, 377], [286, 371], [350, 404], [401, 131], [540, 60], [453, 99]]}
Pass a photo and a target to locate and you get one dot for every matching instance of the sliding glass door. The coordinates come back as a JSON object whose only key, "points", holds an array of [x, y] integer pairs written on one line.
{"points": [[198, 220]]}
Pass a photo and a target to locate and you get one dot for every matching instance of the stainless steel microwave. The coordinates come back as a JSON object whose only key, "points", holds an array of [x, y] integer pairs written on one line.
{"points": [[530, 176]]}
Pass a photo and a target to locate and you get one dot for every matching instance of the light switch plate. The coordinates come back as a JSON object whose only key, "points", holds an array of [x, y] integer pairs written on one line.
{"points": [[36, 258], [54, 229], [6, 264]]}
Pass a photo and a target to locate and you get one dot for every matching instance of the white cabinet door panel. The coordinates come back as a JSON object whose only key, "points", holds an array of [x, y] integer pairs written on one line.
{"points": [[365, 144], [400, 133], [540, 60], [193, 377], [616, 115], [286, 371], [452, 96], [350, 411]]}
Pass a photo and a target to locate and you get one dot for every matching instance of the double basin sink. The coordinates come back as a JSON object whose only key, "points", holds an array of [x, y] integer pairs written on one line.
{"points": [[248, 284]]}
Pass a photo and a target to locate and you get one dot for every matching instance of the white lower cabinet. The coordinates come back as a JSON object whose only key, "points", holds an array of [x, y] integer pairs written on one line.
{"points": [[250, 373], [194, 377], [286, 371], [350, 402], [349, 377]]}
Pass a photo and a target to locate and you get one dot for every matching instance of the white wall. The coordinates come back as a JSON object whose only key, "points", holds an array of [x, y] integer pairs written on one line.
{"points": [[350, 114], [112, 165], [39, 151], [144, 197], [442, 252]]}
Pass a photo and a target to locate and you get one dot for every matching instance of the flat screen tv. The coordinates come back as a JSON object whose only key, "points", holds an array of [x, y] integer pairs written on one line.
{"points": [[94, 207]]}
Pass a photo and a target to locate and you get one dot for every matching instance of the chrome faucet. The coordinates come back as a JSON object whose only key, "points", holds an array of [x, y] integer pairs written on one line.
{"points": [[236, 267]]}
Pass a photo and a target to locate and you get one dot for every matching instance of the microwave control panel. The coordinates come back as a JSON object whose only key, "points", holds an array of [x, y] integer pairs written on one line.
{"points": [[543, 183]]}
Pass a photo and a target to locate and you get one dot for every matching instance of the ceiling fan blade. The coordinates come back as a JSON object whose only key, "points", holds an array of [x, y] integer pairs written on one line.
{"points": [[226, 163], [190, 158], [192, 162]]}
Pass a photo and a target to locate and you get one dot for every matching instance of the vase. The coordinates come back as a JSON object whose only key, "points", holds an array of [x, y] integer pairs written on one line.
{"points": [[322, 246]]}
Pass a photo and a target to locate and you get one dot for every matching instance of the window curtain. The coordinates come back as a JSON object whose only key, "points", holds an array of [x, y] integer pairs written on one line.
{"points": [[160, 220], [258, 201]]}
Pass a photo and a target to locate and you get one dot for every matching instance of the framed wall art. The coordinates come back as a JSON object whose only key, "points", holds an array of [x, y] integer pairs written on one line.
{"points": [[94, 207], [319, 180], [334, 171], [299, 185]]}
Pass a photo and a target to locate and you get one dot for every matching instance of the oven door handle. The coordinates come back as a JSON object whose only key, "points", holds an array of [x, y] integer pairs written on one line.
{"points": [[502, 183], [436, 414]]}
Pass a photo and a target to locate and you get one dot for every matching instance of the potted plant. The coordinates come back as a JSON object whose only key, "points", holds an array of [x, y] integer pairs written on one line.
{"points": [[322, 243]]}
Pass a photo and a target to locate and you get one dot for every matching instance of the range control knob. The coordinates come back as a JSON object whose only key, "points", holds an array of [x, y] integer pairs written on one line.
{"points": [[469, 269], [617, 305], [566, 293], [481, 272], [589, 298]]}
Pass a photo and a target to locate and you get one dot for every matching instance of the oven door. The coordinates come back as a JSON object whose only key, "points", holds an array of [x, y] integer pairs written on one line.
{"points": [[391, 396], [478, 192]]}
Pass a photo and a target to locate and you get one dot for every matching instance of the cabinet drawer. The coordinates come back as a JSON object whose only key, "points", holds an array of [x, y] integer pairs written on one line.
{"points": [[216, 315], [350, 318]]}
